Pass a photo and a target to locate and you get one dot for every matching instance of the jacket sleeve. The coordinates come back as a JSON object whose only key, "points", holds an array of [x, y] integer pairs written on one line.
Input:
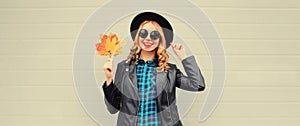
{"points": [[112, 94], [194, 80]]}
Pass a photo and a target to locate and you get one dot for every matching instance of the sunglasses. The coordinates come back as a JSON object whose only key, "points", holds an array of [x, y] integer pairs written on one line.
{"points": [[154, 35]]}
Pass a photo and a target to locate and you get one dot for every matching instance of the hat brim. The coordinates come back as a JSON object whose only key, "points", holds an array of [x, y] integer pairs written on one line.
{"points": [[163, 22]]}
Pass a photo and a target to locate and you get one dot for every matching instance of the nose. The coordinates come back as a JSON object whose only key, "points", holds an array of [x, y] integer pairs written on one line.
{"points": [[148, 37]]}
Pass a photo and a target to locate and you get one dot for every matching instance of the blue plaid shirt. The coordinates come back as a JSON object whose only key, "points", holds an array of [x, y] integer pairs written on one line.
{"points": [[146, 80]]}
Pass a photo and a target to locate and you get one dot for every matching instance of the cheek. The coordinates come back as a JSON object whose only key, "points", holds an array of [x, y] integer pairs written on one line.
{"points": [[157, 43], [140, 41]]}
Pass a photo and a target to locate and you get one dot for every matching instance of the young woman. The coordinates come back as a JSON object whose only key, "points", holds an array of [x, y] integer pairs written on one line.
{"points": [[144, 86]]}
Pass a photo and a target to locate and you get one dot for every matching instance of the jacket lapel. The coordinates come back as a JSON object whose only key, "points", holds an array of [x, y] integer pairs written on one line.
{"points": [[132, 74], [161, 80]]}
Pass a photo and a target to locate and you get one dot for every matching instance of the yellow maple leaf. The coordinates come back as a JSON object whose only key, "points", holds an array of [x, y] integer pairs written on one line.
{"points": [[110, 45]]}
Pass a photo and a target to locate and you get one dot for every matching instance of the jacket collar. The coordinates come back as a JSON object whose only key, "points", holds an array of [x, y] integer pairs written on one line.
{"points": [[152, 63], [161, 77]]}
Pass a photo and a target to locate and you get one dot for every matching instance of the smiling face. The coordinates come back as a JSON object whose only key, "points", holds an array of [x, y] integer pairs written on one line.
{"points": [[149, 37], [151, 43]]}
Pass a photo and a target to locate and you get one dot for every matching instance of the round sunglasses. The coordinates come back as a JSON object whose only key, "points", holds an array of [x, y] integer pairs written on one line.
{"points": [[154, 35]]}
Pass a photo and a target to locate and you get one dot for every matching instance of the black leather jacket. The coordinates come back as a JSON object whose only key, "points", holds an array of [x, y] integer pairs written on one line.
{"points": [[122, 94]]}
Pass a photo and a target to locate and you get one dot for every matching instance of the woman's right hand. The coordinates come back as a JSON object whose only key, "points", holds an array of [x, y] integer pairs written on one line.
{"points": [[108, 69]]}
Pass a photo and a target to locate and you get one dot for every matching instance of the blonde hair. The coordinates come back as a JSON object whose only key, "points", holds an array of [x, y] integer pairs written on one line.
{"points": [[160, 52]]}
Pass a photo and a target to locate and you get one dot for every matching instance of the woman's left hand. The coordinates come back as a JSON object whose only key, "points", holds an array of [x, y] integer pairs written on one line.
{"points": [[179, 50]]}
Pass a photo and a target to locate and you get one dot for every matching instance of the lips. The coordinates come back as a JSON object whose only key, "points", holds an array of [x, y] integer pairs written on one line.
{"points": [[148, 44]]}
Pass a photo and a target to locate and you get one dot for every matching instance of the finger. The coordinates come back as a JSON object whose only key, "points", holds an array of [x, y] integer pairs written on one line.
{"points": [[108, 64], [109, 59], [108, 68], [172, 44], [175, 45], [180, 47]]}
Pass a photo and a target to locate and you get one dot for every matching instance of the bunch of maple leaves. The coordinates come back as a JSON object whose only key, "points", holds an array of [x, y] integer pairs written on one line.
{"points": [[110, 45]]}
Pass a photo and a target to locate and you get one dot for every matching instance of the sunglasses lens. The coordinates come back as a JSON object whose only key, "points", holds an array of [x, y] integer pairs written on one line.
{"points": [[143, 33], [154, 35]]}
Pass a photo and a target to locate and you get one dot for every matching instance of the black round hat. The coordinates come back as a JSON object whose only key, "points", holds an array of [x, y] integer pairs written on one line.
{"points": [[163, 22]]}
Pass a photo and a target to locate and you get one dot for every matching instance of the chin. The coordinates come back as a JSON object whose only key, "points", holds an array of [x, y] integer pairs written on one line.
{"points": [[151, 49]]}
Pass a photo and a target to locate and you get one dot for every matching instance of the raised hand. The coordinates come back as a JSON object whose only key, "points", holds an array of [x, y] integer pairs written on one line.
{"points": [[179, 50]]}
